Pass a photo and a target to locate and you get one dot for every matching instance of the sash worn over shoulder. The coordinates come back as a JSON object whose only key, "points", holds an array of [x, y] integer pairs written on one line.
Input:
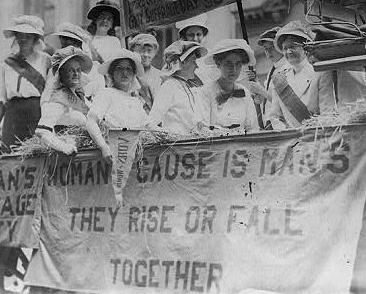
{"points": [[287, 95], [25, 70]]}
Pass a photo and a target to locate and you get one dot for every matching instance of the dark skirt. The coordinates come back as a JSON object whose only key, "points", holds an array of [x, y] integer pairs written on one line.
{"points": [[20, 120]]}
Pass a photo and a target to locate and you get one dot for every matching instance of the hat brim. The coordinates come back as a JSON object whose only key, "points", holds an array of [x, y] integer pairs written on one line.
{"points": [[201, 50], [68, 35], [23, 28], [96, 10], [209, 60], [183, 30], [103, 68], [279, 38], [86, 62]]}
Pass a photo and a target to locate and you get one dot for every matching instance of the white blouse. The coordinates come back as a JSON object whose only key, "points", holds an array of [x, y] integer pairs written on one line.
{"points": [[13, 86], [106, 46], [119, 109], [174, 107], [236, 110]]}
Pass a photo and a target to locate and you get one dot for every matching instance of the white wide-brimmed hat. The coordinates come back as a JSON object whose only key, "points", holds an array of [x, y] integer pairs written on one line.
{"points": [[197, 21], [144, 39], [28, 24], [61, 56], [123, 54], [293, 28], [183, 49], [69, 30], [229, 45], [105, 5]]}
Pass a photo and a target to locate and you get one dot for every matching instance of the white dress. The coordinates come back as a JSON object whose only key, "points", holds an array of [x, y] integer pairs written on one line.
{"points": [[174, 107], [119, 109]]}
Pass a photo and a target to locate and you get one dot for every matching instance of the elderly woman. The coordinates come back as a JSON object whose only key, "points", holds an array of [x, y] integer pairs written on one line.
{"points": [[105, 16], [22, 80], [66, 102], [119, 106], [298, 92], [225, 103], [175, 104]]}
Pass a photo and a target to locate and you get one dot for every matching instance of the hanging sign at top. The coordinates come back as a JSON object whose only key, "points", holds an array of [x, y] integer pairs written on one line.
{"points": [[138, 15]]}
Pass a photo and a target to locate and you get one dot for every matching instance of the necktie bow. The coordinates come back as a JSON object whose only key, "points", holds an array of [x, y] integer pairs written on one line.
{"points": [[237, 93]]}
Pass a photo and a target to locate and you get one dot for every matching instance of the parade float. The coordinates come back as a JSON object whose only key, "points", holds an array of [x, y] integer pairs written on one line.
{"points": [[277, 211]]}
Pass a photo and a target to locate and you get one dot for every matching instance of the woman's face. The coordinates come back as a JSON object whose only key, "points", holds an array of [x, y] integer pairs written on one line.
{"points": [[104, 21], [194, 34], [26, 41], [70, 73], [231, 66], [123, 74], [293, 51], [147, 53]]}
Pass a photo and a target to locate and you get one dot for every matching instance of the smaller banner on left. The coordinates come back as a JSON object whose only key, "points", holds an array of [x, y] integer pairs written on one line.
{"points": [[20, 194]]}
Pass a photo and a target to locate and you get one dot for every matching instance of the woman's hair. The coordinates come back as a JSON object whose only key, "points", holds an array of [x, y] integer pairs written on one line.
{"points": [[92, 29], [221, 56], [114, 64]]}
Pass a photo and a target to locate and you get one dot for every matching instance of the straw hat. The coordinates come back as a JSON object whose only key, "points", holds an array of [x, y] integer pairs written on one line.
{"points": [[28, 24], [69, 30], [293, 28], [61, 56], [268, 36], [183, 49], [144, 39], [199, 21], [105, 5], [123, 54], [229, 45]]}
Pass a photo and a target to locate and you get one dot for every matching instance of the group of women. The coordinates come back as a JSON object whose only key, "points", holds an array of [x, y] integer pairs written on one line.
{"points": [[91, 80]]}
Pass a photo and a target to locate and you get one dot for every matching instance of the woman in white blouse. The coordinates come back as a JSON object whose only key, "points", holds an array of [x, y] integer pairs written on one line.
{"points": [[224, 103], [65, 101], [22, 80], [175, 105], [121, 105], [105, 16]]}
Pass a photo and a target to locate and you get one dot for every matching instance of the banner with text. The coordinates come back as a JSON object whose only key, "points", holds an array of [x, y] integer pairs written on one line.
{"points": [[20, 201], [138, 15], [272, 211]]}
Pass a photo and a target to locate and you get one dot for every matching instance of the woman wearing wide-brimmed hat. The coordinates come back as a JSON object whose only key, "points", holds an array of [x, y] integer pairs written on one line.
{"points": [[119, 106], [22, 80], [225, 103], [66, 102], [105, 16], [68, 34], [175, 104]]}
